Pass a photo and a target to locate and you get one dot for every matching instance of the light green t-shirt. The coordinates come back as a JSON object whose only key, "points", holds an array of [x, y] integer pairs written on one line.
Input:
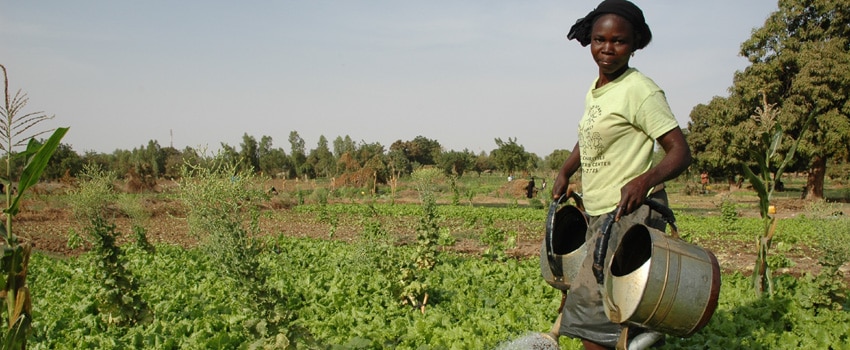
{"points": [[617, 135]]}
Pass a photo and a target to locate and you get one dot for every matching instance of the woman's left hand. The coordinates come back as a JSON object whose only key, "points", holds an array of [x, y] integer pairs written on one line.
{"points": [[632, 196]]}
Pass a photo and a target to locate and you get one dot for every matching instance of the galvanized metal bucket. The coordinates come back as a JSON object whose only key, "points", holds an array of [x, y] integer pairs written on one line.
{"points": [[661, 283], [563, 247]]}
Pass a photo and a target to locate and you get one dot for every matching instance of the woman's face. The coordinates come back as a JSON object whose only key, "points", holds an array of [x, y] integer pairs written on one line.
{"points": [[612, 42]]}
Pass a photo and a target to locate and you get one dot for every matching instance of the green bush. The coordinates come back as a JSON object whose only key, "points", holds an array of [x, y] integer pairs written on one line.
{"points": [[728, 213], [223, 210], [117, 297]]}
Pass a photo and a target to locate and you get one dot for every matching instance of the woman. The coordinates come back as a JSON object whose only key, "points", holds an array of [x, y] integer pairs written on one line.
{"points": [[625, 114]]}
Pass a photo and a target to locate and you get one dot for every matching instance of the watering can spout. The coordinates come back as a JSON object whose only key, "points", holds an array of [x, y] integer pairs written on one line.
{"points": [[555, 332], [553, 336], [643, 341]]}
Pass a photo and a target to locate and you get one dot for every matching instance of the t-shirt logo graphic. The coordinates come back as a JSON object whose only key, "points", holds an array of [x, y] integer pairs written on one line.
{"points": [[588, 139]]}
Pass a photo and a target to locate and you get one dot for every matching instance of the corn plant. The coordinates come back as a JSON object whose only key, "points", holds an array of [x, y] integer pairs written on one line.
{"points": [[770, 133], [15, 133]]}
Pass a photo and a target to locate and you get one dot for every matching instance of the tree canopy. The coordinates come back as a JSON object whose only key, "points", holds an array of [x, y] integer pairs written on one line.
{"points": [[799, 62], [511, 156], [421, 150]]}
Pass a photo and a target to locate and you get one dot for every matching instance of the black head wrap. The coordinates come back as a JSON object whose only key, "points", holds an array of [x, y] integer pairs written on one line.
{"points": [[583, 27]]}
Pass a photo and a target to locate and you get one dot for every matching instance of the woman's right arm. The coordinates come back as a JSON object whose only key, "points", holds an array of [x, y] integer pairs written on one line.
{"points": [[569, 168]]}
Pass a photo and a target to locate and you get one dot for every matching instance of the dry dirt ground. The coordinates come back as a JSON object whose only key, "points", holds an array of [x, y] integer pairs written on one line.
{"points": [[47, 226]]}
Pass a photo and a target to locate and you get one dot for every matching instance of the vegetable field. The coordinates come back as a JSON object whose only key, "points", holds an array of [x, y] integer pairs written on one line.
{"points": [[343, 270]]}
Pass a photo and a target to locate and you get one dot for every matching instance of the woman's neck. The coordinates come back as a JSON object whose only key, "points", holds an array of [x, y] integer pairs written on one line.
{"points": [[607, 78]]}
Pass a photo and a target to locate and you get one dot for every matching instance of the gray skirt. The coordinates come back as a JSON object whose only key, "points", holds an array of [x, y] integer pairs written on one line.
{"points": [[583, 314]]}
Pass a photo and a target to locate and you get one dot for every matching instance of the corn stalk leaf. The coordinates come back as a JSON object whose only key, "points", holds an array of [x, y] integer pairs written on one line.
{"points": [[40, 155], [793, 148], [759, 186], [775, 141]]}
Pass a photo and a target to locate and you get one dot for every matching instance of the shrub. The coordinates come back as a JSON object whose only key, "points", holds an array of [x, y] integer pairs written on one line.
{"points": [[224, 212], [93, 205]]}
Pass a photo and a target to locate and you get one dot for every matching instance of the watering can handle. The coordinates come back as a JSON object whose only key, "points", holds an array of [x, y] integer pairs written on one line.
{"points": [[602, 246], [602, 240], [666, 213], [556, 268], [576, 198]]}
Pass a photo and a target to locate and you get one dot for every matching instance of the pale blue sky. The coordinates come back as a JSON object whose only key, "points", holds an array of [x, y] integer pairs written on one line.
{"points": [[120, 73]]}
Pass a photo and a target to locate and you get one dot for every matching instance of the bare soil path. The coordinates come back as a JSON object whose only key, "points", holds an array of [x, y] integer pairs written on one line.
{"points": [[49, 226]]}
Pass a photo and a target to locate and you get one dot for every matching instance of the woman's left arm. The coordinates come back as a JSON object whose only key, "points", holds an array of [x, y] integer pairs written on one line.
{"points": [[677, 158]]}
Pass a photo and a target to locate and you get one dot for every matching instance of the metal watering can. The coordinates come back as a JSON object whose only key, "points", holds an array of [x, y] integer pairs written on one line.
{"points": [[658, 282], [564, 245], [654, 281], [562, 251]]}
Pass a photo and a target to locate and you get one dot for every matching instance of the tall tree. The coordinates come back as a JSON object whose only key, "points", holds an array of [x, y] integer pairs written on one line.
{"points": [[556, 159], [273, 161], [715, 137], [342, 146], [228, 154], [298, 153], [421, 150], [64, 160], [264, 148], [482, 163], [249, 154], [148, 161], [800, 59], [454, 162], [510, 156], [322, 158], [174, 161], [155, 158]]}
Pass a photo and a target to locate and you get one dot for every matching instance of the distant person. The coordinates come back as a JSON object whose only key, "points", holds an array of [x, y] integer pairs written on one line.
{"points": [[510, 178], [625, 114], [530, 188], [703, 179]]}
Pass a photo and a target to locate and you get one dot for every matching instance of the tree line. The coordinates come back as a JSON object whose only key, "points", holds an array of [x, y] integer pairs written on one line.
{"points": [[355, 162]]}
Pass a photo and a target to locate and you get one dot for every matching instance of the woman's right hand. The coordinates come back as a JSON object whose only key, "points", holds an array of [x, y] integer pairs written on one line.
{"points": [[562, 181], [561, 187]]}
